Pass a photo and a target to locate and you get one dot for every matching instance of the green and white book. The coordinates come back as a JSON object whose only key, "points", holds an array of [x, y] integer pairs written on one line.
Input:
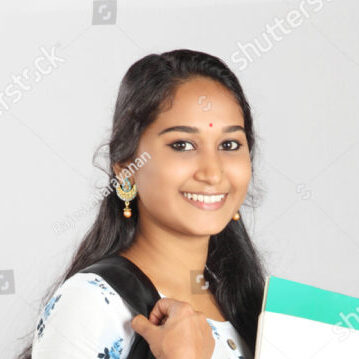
{"points": [[299, 321]]}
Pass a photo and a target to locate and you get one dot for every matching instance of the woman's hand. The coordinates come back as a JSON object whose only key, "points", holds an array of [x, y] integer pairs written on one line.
{"points": [[175, 330]]}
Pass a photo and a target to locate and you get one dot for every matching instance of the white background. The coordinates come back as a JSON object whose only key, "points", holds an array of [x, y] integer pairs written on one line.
{"points": [[304, 97]]}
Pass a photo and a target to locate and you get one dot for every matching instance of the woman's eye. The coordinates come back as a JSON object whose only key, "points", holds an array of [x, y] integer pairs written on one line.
{"points": [[181, 145], [233, 149]]}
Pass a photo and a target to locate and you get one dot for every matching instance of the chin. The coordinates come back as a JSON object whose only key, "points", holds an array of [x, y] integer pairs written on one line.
{"points": [[205, 229]]}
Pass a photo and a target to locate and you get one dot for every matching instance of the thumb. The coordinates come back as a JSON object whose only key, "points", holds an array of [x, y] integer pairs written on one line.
{"points": [[142, 326]]}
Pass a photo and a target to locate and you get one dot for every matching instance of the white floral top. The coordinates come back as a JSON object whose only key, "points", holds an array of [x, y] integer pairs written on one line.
{"points": [[86, 318]]}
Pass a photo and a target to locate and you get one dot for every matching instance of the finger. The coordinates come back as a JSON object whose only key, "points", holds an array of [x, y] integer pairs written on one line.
{"points": [[165, 307], [158, 315], [144, 327], [154, 319]]}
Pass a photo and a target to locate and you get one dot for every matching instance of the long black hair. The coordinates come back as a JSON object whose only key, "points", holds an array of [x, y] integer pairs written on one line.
{"points": [[146, 88]]}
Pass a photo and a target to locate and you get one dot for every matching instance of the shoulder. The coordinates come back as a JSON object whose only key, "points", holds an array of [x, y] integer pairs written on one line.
{"points": [[85, 317]]}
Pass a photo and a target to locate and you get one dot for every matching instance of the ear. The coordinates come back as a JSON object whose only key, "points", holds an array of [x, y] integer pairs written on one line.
{"points": [[118, 168]]}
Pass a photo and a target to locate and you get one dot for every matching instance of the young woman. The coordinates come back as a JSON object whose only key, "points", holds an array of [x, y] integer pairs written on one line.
{"points": [[183, 122]]}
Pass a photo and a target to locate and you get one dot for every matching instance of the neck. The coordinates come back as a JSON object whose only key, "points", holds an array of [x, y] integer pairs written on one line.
{"points": [[171, 260]]}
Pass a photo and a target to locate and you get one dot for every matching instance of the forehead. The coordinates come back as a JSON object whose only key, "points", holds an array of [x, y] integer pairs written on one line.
{"points": [[202, 100]]}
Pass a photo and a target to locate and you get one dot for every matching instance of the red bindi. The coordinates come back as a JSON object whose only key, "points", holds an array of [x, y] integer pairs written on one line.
{"points": [[210, 125]]}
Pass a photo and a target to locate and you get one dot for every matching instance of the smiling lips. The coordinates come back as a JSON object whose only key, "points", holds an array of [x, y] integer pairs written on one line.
{"points": [[207, 202]]}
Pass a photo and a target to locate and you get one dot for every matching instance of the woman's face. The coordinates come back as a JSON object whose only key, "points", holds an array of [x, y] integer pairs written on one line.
{"points": [[201, 159]]}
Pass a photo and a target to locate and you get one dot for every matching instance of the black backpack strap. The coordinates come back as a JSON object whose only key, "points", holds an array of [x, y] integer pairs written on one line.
{"points": [[134, 287]]}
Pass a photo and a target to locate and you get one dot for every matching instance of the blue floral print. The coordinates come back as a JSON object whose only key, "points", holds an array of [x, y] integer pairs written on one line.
{"points": [[50, 305], [101, 284], [214, 329], [114, 352], [111, 340], [40, 328], [46, 313]]}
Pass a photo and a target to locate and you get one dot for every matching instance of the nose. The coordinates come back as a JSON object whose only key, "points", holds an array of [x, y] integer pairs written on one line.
{"points": [[209, 168]]}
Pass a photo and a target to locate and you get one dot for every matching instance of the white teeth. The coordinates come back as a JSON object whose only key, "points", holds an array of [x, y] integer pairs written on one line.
{"points": [[204, 198]]}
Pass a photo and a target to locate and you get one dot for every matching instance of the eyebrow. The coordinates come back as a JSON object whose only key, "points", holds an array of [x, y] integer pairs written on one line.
{"points": [[189, 129]]}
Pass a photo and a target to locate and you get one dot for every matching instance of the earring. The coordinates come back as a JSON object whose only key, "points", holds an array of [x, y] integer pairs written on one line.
{"points": [[236, 216], [126, 193]]}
